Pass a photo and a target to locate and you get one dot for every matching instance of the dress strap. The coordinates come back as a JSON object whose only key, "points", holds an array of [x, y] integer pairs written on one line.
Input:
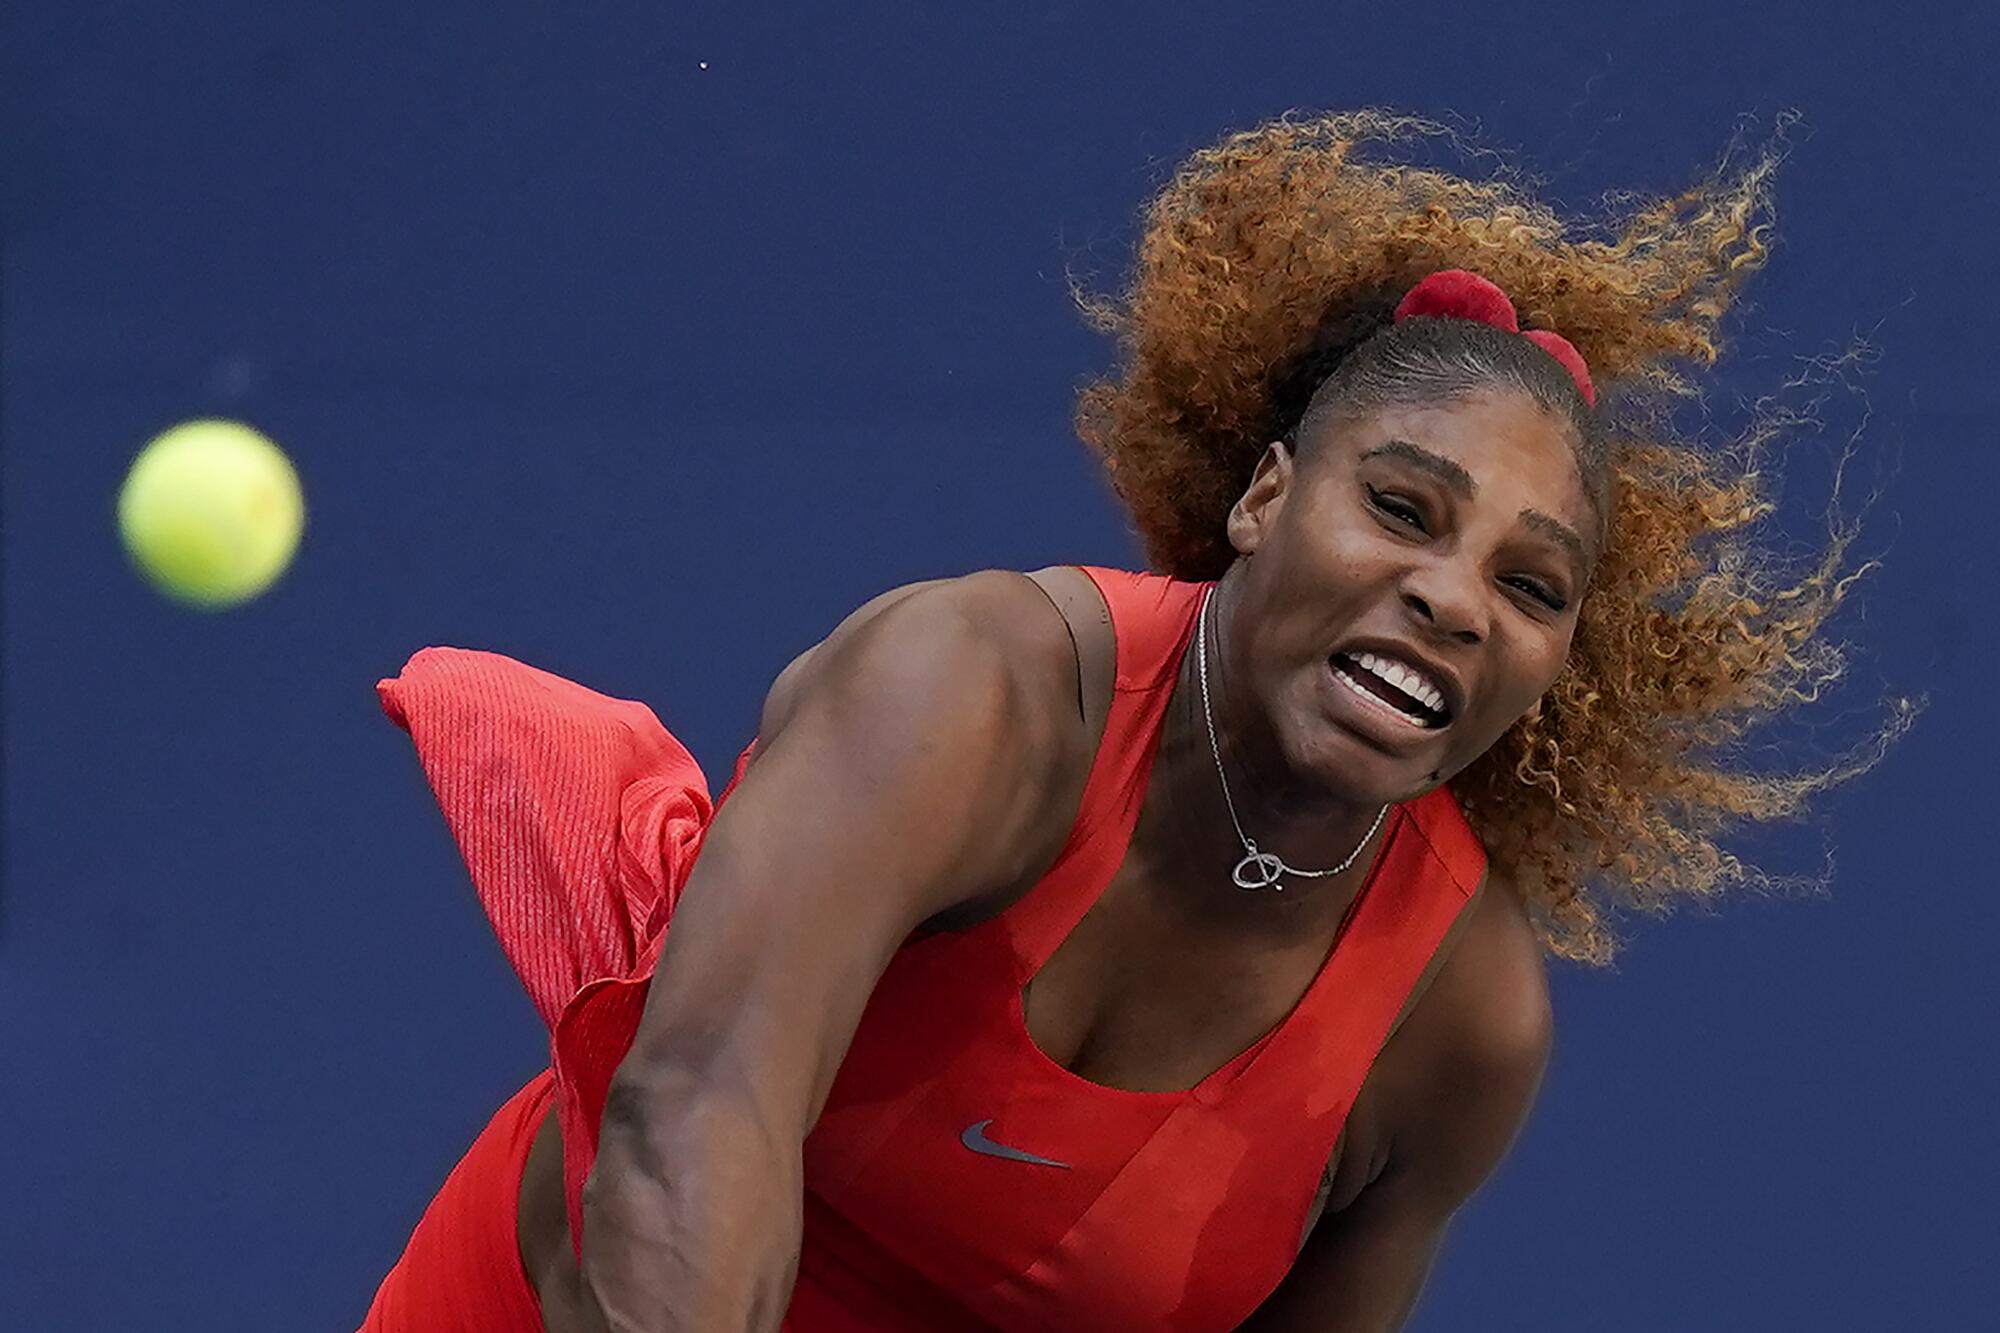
{"points": [[1429, 871], [1152, 623]]}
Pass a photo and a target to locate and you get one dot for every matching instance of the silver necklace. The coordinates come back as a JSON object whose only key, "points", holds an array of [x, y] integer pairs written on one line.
{"points": [[1258, 869]]}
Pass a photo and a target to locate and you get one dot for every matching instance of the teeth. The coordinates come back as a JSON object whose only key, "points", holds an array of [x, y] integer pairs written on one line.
{"points": [[1369, 697], [1406, 679]]}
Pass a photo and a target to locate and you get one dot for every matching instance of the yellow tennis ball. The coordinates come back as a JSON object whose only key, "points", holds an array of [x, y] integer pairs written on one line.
{"points": [[211, 513]]}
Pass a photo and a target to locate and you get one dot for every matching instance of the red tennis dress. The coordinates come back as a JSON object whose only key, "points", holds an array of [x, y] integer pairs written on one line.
{"points": [[580, 816]]}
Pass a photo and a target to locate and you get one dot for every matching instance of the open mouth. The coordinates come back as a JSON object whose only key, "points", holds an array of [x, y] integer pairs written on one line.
{"points": [[1395, 686]]}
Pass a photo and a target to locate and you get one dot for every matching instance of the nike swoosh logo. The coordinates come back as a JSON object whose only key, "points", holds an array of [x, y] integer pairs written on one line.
{"points": [[975, 1138]]}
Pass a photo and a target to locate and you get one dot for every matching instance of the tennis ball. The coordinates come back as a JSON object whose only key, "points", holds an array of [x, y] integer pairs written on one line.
{"points": [[211, 513]]}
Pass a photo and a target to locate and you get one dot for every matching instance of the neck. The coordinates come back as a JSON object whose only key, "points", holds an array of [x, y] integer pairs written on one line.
{"points": [[1186, 832]]}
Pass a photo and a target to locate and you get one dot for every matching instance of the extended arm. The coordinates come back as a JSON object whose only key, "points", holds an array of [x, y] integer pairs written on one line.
{"points": [[912, 773]]}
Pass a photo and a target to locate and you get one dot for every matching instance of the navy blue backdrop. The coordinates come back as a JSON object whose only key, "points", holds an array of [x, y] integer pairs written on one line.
{"points": [[642, 343]]}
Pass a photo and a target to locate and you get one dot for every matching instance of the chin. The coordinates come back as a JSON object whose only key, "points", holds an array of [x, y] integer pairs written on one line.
{"points": [[1357, 752], [1352, 765]]}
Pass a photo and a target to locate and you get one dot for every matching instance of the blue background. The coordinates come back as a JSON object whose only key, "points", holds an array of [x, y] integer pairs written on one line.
{"points": [[647, 374]]}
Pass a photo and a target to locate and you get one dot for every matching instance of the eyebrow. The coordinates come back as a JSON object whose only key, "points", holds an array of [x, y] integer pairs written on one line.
{"points": [[1451, 474], [1460, 482], [1561, 533]]}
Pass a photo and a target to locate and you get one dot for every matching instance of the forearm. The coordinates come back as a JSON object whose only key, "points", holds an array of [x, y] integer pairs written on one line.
{"points": [[692, 1213]]}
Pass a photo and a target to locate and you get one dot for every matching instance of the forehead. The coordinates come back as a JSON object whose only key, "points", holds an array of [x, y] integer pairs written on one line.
{"points": [[1515, 451]]}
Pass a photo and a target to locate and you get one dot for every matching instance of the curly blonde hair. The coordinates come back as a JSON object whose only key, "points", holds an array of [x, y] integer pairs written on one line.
{"points": [[1282, 247]]}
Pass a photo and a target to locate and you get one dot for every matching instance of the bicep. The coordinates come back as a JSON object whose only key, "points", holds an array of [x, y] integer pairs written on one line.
{"points": [[906, 777]]}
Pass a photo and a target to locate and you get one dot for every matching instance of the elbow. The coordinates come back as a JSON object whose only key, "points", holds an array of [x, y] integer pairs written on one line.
{"points": [[672, 1124], [699, 1174]]}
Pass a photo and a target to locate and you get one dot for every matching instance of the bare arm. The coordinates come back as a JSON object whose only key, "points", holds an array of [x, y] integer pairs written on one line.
{"points": [[1363, 1267], [909, 773]]}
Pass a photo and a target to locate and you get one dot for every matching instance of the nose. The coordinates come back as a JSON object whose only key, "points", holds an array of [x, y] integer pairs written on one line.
{"points": [[1450, 599]]}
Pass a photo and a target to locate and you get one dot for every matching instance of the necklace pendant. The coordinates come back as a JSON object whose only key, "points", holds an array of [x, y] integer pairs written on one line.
{"points": [[1258, 870]]}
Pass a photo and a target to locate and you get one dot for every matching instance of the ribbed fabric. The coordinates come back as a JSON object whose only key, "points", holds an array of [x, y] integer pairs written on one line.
{"points": [[580, 817]]}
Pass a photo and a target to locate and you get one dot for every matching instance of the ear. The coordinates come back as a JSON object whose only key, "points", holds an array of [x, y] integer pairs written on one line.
{"points": [[1255, 513]]}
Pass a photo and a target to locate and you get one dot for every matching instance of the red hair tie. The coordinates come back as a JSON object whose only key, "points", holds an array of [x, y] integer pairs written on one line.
{"points": [[1455, 293]]}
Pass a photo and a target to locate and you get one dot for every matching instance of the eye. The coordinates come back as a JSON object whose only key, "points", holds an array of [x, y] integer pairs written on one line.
{"points": [[1396, 507], [1538, 590]]}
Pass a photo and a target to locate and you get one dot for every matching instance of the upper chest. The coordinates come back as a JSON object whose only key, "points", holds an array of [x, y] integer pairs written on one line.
{"points": [[1137, 999]]}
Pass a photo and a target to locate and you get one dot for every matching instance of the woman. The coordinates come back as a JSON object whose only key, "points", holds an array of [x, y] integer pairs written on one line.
{"points": [[1095, 950]]}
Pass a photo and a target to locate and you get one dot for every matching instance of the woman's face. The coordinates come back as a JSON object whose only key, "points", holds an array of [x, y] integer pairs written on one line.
{"points": [[1412, 590]]}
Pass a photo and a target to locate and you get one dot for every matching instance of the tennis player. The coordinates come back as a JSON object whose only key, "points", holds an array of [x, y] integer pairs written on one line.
{"points": [[1110, 951]]}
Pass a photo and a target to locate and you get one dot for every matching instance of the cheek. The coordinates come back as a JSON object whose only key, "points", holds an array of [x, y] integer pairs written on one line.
{"points": [[1549, 659], [1330, 527], [1350, 568], [1533, 662]]}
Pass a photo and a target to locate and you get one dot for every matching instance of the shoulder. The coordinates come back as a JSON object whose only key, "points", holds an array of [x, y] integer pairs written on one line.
{"points": [[988, 659], [1493, 1012], [1482, 1043], [1000, 616]]}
